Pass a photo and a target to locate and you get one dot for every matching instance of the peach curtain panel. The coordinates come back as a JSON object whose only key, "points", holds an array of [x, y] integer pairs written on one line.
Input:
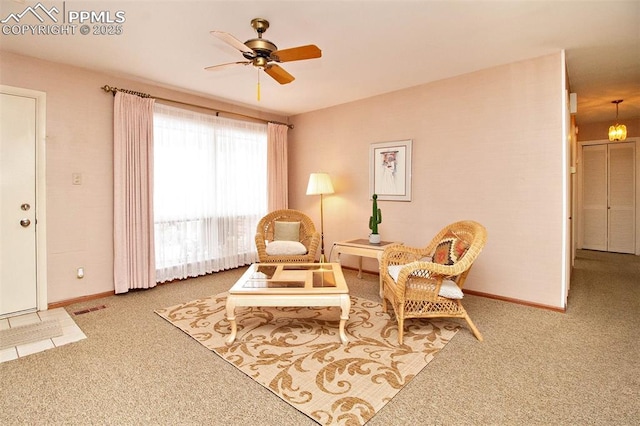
{"points": [[277, 178], [133, 241]]}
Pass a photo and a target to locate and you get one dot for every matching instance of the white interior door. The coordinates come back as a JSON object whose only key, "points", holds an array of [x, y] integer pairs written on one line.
{"points": [[622, 209], [18, 132]]}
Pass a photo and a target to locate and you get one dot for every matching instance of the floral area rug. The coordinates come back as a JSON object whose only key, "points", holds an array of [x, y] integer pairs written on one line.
{"points": [[296, 353]]}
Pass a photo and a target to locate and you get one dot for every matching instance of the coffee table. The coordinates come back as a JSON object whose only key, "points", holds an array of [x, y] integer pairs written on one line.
{"points": [[290, 284]]}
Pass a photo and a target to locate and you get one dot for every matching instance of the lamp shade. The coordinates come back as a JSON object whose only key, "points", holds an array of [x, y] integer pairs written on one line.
{"points": [[319, 183]]}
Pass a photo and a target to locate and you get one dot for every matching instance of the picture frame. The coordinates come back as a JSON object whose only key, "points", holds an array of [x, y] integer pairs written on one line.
{"points": [[390, 170]]}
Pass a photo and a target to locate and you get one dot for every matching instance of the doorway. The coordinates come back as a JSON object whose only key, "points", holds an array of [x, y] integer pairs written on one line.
{"points": [[23, 267], [608, 215]]}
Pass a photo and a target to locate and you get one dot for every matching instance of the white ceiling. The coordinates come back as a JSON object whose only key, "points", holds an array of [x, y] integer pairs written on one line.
{"points": [[368, 47]]}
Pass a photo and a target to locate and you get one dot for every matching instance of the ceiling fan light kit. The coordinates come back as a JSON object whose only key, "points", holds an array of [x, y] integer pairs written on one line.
{"points": [[617, 132], [264, 54]]}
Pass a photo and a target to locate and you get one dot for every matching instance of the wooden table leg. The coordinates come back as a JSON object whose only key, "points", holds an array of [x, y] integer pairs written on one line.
{"points": [[345, 305], [231, 317]]}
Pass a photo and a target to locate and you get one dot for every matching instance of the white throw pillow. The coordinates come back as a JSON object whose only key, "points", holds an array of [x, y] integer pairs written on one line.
{"points": [[286, 231], [285, 248], [448, 289]]}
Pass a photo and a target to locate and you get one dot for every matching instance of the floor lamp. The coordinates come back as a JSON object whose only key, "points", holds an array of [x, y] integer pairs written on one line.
{"points": [[320, 184]]}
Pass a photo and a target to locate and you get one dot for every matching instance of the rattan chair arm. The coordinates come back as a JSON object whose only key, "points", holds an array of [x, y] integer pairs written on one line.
{"points": [[422, 280], [312, 244], [397, 254], [430, 270], [424, 284], [261, 246]]}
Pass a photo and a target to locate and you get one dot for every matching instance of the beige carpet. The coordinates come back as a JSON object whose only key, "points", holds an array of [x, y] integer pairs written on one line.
{"points": [[296, 353]]}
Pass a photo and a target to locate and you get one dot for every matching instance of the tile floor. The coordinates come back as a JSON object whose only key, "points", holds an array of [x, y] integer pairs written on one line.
{"points": [[70, 333]]}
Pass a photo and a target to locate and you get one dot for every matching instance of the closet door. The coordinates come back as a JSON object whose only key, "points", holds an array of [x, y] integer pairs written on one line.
{"points": [[621, 232], [594, 198], [608, 193]]}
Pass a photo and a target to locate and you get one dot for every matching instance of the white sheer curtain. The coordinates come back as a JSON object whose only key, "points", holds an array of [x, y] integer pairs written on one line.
{"points": [[210, 191]]}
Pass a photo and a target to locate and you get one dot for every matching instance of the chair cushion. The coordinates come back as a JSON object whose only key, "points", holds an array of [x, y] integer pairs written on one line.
{"points": [[286, 231], [448, 289], [450, 249], [285, 248]]}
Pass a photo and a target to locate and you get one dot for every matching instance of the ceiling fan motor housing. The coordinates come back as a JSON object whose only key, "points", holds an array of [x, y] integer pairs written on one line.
{"points": [[260, 46]]}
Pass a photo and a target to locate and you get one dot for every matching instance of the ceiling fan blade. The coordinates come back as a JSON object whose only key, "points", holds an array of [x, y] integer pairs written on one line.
{"points": [[278, 74], [231, 40], [217, 67], [310, 51]]}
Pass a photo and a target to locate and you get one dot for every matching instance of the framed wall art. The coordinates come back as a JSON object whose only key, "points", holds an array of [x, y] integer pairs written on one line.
{"points": [[390, 170]]}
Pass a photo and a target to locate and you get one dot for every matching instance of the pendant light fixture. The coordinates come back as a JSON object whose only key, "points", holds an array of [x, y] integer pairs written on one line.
{"points": [[619, 131]]}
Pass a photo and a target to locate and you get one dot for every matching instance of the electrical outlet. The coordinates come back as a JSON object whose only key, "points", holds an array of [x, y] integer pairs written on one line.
{"points": [[76, 178], [80, 273]]}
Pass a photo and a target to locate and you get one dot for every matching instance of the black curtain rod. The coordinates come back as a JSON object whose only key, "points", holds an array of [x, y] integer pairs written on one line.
{"points": [[113, 90]]}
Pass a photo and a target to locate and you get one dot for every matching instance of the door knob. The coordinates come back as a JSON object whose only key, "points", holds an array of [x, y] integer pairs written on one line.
{"points": [[25, 222]]}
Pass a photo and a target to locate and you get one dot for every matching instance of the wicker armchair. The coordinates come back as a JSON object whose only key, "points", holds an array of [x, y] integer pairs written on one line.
{"points": [[420, 282], [308, 236]]}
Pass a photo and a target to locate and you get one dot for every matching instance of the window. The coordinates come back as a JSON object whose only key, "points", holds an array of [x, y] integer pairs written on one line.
{"points": [[210, 191]]}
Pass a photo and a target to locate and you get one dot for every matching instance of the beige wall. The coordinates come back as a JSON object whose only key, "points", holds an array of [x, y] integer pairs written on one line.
{"points": [[80, 140], [487, 146]]}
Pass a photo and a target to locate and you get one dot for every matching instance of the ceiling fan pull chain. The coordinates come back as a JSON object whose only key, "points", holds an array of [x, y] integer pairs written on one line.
{"points": [[258, 84]]}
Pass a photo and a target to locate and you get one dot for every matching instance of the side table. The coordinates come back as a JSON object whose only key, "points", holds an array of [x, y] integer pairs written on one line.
{"points": [[362, 248]]}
